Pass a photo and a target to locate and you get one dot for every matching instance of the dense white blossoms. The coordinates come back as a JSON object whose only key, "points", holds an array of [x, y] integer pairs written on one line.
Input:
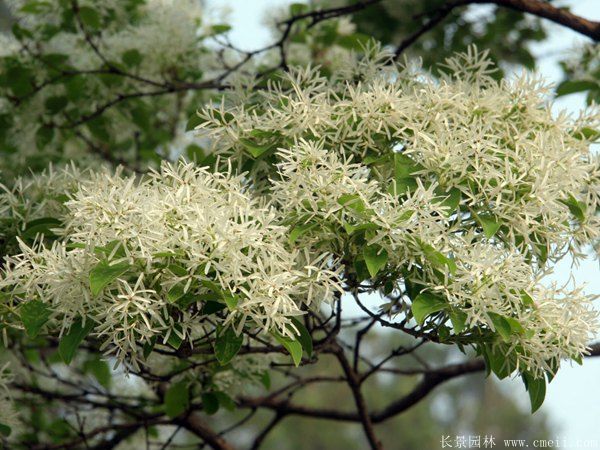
{"points": [[498, 289], [495, 142], [457, 191], [462, 185], [182, 236]]}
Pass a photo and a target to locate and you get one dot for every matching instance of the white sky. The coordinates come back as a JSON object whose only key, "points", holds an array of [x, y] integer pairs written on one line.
{"points": [[573, 398]]}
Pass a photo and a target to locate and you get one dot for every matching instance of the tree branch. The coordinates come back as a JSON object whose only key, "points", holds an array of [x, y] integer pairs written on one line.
{"points": [[361, 406], [431, 379], [537, 8]]}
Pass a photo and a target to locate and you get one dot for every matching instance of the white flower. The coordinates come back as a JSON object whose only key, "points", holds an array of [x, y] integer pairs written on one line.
{"points": [[183, 234], [470, 185]]}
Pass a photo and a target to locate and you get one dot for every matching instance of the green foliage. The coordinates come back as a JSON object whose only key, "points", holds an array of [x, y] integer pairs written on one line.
{"points": [[104, 273], [70, 342], [293, 347], [572, 86], [576, 208], [177, 399], [34, 314], [90, 17], [489, 223], [375, 259], [426, 304], [227, 345], [210, 403], [100, 370], [304, 337], [5, 430], [536, 387]]}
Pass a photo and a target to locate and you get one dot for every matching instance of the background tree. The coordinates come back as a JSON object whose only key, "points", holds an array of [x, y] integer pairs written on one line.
{"points": [[385, 226]]}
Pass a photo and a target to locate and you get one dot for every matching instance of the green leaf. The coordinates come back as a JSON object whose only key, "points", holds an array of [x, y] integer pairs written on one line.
{"points": [[404, 166], [98, 127], [230, 300], [438, 259], [294, 348], [44, 136], [104, 273], [577, 208], [498, 361], [362, 272], [253, 148], [225, 401], [401, 186], [220, 28], [300, 230], [459, 320], [211, 307], [351, 229], [352, 201], [587, 133], [35, 7], [20, 80], [113, 249], [536, 387], [69, 343], [304, 337], [5, 430], [175, 293], [297, 8], [40, 226], [227, 345], [376, 258], [425, 304], [90, 17], [195, 153], [501, 325], [210, 403], [148, 347], [265, 380], [75, 87], [184, 302], [174, 339], [132, 57], [526, 298], [355, 41], [193, 122], [56, 104], [489, 224], [451, 200], [572, 86], [100, 370], [177, 399], [515, 325], [34, 314]]}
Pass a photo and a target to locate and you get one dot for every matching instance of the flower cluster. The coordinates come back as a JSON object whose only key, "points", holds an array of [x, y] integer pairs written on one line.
{"points": [[466, 186], [178, 239], [458, 191], [497, 143], [495, 289], [32, 203]]}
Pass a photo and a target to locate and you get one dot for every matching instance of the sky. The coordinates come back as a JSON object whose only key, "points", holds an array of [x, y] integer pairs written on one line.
{"points": [[573, 397]]}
